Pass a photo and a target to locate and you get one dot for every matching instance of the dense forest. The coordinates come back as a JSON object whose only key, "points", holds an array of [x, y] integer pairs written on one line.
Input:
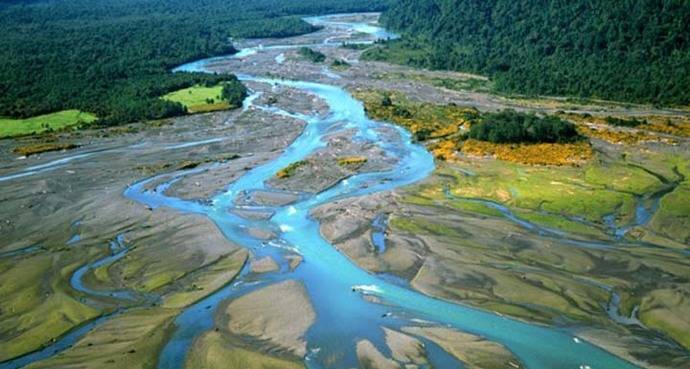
{"points": [[112, 57], [509, 126], [628, 50]]}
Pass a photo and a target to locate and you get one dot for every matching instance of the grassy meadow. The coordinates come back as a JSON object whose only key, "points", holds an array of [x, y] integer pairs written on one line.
{"points": [[199, 99], [10, 127]]}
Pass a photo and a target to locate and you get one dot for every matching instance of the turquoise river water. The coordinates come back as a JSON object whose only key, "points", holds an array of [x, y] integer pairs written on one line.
{"points": [[335, 285]]}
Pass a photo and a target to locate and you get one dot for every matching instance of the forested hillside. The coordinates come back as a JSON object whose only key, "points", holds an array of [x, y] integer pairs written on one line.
{"points": [[112, 57], [629, 50]]}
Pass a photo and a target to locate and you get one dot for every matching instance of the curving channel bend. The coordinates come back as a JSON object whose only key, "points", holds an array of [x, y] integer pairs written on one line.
{"points": [[336, 286], [330, 278]]}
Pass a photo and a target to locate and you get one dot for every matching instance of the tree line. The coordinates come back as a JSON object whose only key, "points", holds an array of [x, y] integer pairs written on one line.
{"points": [[627, 50], [113, 57]]}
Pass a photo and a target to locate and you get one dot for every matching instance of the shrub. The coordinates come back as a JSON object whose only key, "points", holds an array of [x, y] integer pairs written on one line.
{"points": [[634, 122], [234, 93], [509, 126], [312, 55]]}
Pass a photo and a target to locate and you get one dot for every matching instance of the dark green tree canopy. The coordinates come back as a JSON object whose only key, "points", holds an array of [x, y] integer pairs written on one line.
{"points": [[628, 50], [509, 126], [312, 55], [113, 57], [234, 93]]}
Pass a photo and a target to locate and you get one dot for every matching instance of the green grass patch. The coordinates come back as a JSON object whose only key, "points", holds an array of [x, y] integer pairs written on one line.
{"points": [[430, 195], [474, 207], [419, 226], [666, 310], [556, 190], [37, 306], [44, 123], [212, 351], [673, 216], [198, 99], [559, 222], [622, 178]]}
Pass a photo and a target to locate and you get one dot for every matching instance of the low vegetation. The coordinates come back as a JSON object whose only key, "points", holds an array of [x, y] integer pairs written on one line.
{"points": [[445, 150], [352, 161], [524, 138], [534, 154], [581, 201], [615, 136], [507, 135], [589, 192], [39, 305], [198, 98], [456, 82], [340, 64], [40, 148], [195, 95], [671, 219], [354, 46], [290, 170], [312, 55], [131, 340], [625, 122], [425, 121], [212, 351], [10, 127], [641, 126]]}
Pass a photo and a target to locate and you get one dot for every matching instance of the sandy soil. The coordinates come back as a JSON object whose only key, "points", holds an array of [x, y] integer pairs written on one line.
{"points": [[264, 265], [474, 351], [281, 326], [371, 357]]}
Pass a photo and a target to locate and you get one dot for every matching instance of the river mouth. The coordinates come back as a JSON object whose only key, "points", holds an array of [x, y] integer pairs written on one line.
{"points": [[350, 305]]}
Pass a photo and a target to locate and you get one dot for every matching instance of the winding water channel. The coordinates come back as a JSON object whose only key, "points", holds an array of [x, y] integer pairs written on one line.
{"points": [[336, 286], [330, 278]]}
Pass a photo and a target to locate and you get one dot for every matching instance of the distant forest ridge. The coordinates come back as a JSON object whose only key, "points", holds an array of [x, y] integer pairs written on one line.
{"points": [[627, 50], [112, 57]]}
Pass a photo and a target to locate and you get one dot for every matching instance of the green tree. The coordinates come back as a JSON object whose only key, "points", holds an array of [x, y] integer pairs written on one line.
{"points": [[628, 50], [234, 92]]}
